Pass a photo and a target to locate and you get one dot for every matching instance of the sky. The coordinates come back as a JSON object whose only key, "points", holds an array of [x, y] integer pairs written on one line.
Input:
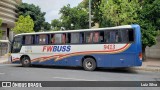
{"points": [[52, 7]]}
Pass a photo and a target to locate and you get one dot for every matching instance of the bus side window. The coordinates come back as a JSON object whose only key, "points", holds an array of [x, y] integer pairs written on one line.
{"points": [[96, 37], [107, 36], [68, 38], [52, 39], [124, 35], [89, 37], [131, 35], [43, 39], [75, 37], [37, 39], [29, 39], [112, 36], [57, 38], [63, 38], [81, 37]]}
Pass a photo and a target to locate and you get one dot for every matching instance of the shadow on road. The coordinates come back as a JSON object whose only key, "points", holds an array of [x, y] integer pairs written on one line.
{"points": [[113, 70]]}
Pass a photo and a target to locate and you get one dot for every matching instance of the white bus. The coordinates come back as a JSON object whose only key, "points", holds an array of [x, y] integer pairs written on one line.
{"points": [[90, 48]]}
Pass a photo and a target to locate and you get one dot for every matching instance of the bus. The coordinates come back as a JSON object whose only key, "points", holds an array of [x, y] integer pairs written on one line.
{"points": [[111, 47]]}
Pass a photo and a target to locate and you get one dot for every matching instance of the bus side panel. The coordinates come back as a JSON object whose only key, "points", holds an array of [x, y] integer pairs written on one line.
{"points": [[15, 58], [103, 60], [126, 58], [70, 61]]}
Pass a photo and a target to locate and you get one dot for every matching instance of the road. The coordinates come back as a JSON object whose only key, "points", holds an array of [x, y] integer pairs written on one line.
{"points": [[14, 72]]}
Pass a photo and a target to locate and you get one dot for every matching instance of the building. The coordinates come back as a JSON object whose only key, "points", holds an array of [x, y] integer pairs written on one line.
{"points": [[154, 51], [9, 16]]}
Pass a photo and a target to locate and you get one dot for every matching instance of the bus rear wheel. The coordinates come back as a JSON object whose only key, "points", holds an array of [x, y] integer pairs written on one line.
{"points": [[26, 62], [89, 64]]}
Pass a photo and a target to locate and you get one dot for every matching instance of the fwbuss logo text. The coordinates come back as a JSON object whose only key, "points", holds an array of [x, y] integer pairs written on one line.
{"points": [[62, 48]]}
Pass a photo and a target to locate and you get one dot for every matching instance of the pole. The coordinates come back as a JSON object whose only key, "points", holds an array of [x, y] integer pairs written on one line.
{"points": [[89, 13]]}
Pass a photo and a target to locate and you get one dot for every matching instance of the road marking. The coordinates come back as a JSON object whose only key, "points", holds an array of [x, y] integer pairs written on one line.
{"points": [[77, 79]]}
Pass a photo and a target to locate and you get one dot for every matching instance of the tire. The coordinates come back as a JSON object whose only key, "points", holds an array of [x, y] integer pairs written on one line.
{"points": [[89, 64], [26, 62]]}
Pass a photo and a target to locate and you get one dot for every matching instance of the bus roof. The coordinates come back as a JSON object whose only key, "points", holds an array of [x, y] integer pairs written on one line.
{"points": [[80, 30]]}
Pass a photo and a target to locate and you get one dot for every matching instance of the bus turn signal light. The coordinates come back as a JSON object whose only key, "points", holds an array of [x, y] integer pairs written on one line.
{"points": [[140, 56]]}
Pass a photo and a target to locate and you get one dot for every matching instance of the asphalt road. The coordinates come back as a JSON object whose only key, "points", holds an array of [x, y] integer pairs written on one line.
{"points": [[14, 72]]}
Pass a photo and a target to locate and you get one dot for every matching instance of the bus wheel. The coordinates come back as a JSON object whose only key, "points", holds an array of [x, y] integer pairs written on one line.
{"points": [[89, 64], [26, 62]]}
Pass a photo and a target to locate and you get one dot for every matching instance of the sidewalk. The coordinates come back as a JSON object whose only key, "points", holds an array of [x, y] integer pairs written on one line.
{"points": [[4, 60], [148, 65]]}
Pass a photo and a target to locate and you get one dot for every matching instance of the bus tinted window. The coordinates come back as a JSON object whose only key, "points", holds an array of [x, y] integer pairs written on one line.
{"points": [[127, 35], [98, 37], [124, 34], [95, 37], [42, 39], [81, 37], [112, 36], [58, 38], [63, 38], [89, 37], [119, 36], [131, 35], [28, 39], [52, 39], [75, 37]]}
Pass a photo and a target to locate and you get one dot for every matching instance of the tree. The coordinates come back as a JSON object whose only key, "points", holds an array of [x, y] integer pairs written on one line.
{"points": [[74, 18], [95, 10], [47, 26], [119, 12], [0, 29], [56, 24], [24, 24], [149, 20], [34, 12]]}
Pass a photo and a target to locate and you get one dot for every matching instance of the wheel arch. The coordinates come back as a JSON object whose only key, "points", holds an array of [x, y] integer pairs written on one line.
{"points": [[23, 57], [87, 56]]}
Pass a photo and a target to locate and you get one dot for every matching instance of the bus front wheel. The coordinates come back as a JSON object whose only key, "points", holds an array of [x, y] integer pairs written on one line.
{"points": [[26, 62], [89, 64]]}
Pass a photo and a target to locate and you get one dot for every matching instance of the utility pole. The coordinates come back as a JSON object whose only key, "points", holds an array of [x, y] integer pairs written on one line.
{"points": [[89, 13]]}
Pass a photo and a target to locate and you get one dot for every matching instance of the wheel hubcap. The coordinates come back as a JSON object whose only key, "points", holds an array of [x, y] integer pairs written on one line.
{"points": [[26, 61], [89, 64]]}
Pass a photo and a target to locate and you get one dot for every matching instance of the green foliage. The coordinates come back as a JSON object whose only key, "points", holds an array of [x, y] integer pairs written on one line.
{"points": [[145, 13], [34, 12], [118, 12], [95, 9], [74, 18], [47, 26], [56, 24], [24, 25], [0, 29], [149, 20]]}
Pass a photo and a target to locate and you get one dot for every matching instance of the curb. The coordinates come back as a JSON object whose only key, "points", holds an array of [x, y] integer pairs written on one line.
{"points": [[147, 69], [6, 62]]}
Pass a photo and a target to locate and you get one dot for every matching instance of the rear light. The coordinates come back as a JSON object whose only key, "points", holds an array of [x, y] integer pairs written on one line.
{"points": [[140, 56]]}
